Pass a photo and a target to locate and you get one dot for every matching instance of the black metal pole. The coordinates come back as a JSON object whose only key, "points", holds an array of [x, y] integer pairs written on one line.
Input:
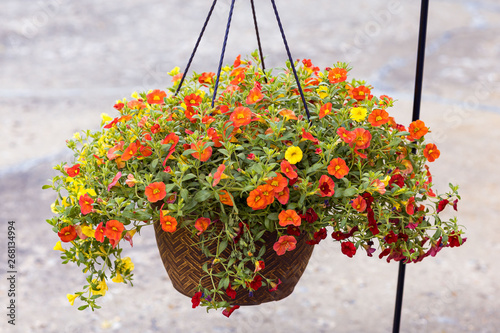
{"points": [[419, 76]]}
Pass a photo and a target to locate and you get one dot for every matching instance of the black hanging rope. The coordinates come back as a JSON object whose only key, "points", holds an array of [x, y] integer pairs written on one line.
{"points": [[196, 47], [258, 38], [223, 51], [291, 60], [419, 76]]}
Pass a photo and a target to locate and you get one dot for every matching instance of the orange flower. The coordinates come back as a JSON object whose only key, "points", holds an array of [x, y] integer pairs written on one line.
{"points": [[85, 202], [172, 139], [202, 224], [431, 152], [190, 113], [130, 151], [360, 93], [225, 198], [378, 117], [289, 217], [155, 191], [206, 78], [72, 171], [417, 130], [168, 223], [238, 75], [309, 136], [114, 231], [218, 174], [201, 155], [338, 168], [326, 186], [267, 193], [215, 137], [288, 114], [288, 170], [278, 183], [283, 196], [359, 204], [362, 138], [192, 100], [254, 96], [285, 243], [99, 233], [156, 97], [345, 135], [262, 196], [337, 75], [136, 105], [325, 110], [241, 116], [67, 234]]}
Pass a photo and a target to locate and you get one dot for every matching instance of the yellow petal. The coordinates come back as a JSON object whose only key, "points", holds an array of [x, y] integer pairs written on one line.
{"points": [[118, 278], [105, 117], [71, 298], [58, 246]]}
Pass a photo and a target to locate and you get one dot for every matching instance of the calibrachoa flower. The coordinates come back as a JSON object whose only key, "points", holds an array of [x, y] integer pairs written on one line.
{"points": [[155, 191], [245, 169], [285, 243]]}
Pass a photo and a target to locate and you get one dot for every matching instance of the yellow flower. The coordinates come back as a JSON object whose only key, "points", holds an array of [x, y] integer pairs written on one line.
{"points": [[100, 288], [88, 231], [118, 278], [174, 71], [58, 247], [322, 92], [128, 265], [135, 95], [77, 136], [293, 155], [358, 114], [105, 118], [71, 298]]}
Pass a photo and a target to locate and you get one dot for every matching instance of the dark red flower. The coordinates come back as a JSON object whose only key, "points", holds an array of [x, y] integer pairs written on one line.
{"points": [[196, 300], [348, 249], [310, 216], [454, 239], [397, 180], [293, 230], [455, 204], [227, 311], [339, 235], [231, 292], [256, 282], [67, 234], [318, 237], [442, 205], [391, 237]]}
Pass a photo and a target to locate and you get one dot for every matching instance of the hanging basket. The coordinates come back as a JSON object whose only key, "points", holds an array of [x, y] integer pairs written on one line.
{"points": [[183, 261]]}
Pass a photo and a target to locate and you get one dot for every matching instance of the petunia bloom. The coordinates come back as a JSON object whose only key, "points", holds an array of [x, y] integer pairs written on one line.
{"points": [[431, 152], [241, 116], [115, 180], [283, 196], [285, 243], [229, 310], [86, 202], [360, 93], [196, 299], [67, 234], [202, 155], [349, 249], [358, 113], [218, 174], [99, 233], [72, 171], [326, 186], [168, 223], [206, 78], [338, 168], [359, 204], [417, 130], [155, 191], [156, 97], [288, 170], [192, 100], [325, 110], [231, 292], [337, 75], [254, 96], [278, 183], [201, 224], [289, 217], [345, 135], [378, 117], [293, 154], [225, 198], [114, 231]]}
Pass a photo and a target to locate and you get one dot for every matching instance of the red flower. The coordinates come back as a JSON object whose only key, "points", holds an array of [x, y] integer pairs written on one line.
{"points": [[317, 237], [99, 233], [85, 202], [417, 130], [345, 135], [218, 174], [256, 282], [130, 151], [155, 191], [119, 106], [378, 117], [215, 137], [397, 180], [254, 96], [114, 231], [287, 217], [362, 138], [262, 196], [73, 171], [115, 180], [192, 100], [206, 78], [338, 168], [336, 75], [360, 93], [339, 235], [288, 170], [283, 196], [410, 206], [67, 234], [229, 310], [285, 243], [325, 110], [278, 183], [455, 240], [241, 116], [391, 237], [442, 205], [274, 285], [202, 224], [310, 216], [431, 152], [348, 249], [196, 299], [231, 292], [156, 97], [309, 136], [259, 265], [326, 186], [202, 155]]}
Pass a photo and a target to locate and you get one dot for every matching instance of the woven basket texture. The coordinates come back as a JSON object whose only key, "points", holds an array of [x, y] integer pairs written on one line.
{"points": [[183, 261]]}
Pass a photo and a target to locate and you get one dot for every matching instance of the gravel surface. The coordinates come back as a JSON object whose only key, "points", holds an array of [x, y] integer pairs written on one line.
{"points": [[64, 63]]}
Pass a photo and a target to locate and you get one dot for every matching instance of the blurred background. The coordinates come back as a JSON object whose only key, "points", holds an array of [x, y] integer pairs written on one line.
{"points": [[63, 63]]}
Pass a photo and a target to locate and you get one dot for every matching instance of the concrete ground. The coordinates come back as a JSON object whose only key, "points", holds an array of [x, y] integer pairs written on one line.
{"points": [[64, 63]]}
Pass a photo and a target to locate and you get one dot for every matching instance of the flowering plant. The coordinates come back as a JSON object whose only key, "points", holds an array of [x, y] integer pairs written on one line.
{"points": [[251, 163]]}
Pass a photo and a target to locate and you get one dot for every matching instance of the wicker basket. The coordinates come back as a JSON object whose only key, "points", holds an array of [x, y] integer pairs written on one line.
{"points": [[183, 261]]}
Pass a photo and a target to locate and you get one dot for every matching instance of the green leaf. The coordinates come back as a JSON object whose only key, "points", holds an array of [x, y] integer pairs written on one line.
{"points": [[188, 177], [273, 216], [222, 247], [349, 192], [83, 307], [44, 187], [315, 167], [202, 195]]}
